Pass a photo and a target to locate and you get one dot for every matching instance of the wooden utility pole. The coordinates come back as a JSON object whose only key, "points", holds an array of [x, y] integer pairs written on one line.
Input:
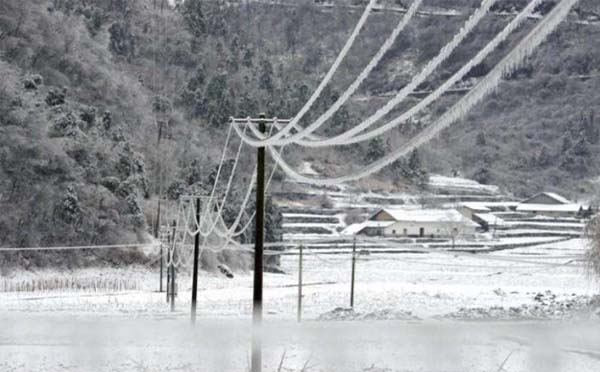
{"points": [[171, 289], [195, 270], [353, 273], [171, 241], [173, 285], [300, 258], [256, 355], [258, 254], [160, 289]]}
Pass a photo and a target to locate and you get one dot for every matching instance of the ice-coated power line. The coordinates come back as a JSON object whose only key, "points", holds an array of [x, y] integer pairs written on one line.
{"points": [[317, 93], [346, 138], [488, 84], [304, 132], [226, 193], [443, 55], [76, 247]]}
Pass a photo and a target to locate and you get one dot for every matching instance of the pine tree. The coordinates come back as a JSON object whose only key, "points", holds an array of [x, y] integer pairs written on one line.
{"points": [[193, 16], [480, 140], [414, 161], [247, 59], [375, 149], [266, 76]]}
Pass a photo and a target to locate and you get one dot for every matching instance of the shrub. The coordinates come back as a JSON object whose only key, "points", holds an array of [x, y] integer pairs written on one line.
{"points": [[111, 183], [56, 97], [64, 126]]}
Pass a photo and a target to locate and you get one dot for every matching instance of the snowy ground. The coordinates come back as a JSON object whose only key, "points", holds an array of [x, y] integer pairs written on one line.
{"points": [[420, 298]]}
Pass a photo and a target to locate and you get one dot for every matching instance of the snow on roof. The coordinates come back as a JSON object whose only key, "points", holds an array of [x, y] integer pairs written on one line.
{"points": [[475, 206], [486, 206], [490, 218], [549, 207], [358, 227], [426, 215], [558, 198], [307, 169]]}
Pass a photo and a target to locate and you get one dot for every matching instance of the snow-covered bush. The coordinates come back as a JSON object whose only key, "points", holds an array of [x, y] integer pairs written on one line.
{"points": [[56, 97], [64, 126]]}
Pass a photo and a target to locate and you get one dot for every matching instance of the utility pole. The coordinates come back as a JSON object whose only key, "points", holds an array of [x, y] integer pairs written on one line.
{"points": [[300, 258], [173, 278], [195, 270], [171, 271], [256, 355], [258, 254], [353, 273], [170, 240], [160, 289]]}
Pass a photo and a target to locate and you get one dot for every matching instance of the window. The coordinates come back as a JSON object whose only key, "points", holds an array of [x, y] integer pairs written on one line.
{"points": [[405, 232], [394, 232]]}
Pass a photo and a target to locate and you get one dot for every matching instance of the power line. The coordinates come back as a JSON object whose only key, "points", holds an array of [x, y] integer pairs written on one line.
{"points": [[333, 69], [78, 247], [488, 84]]}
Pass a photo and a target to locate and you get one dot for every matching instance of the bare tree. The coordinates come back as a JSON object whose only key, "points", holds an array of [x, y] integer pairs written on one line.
{"points": [[454, 226]]}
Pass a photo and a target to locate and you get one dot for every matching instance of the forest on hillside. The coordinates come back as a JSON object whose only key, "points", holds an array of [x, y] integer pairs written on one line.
{"points": [[108, 105]]}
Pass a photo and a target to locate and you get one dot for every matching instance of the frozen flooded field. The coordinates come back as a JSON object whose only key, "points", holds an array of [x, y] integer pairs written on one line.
{"points": [[530, 308]]}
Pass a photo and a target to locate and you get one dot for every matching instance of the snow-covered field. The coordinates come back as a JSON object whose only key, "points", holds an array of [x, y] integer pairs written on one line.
{"points": [[406, 307]]}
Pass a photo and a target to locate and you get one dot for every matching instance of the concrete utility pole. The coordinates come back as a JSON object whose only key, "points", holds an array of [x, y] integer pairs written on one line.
{"points": [[195, 270], [256, 356]]}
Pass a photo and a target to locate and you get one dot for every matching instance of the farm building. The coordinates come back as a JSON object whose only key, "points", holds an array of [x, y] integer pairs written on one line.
{"points": [[550, 205], [415, 223]]}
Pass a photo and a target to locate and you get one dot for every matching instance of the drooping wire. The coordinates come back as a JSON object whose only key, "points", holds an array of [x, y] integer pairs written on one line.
{"points": [[487, 85], [317, 93], [303, 132]]}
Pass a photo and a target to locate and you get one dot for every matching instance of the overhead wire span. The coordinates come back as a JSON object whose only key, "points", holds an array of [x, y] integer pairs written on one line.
{"points": [[78, 247], [220, 167], [488, 84], [226, 192], [303, 132], [349, 137], [229, 232], [333, 69]]}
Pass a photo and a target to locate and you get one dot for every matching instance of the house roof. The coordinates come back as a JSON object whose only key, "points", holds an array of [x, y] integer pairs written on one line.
{"points": [[558, 198], [358, 227], [480, 207], [486, 206], [549, 207], [425, 215], [490, 219]]}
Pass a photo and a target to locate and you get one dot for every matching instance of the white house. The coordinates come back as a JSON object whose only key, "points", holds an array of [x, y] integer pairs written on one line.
{"points": [[550, 205], [415, 223]]}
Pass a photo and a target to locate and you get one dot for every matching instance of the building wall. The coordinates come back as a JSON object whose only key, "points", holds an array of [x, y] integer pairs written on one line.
{"points": [[429, 228], [555, 214]]}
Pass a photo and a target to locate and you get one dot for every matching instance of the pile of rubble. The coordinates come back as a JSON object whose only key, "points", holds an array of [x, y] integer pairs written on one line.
{"points": [[546, 306], [341, 313]]}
